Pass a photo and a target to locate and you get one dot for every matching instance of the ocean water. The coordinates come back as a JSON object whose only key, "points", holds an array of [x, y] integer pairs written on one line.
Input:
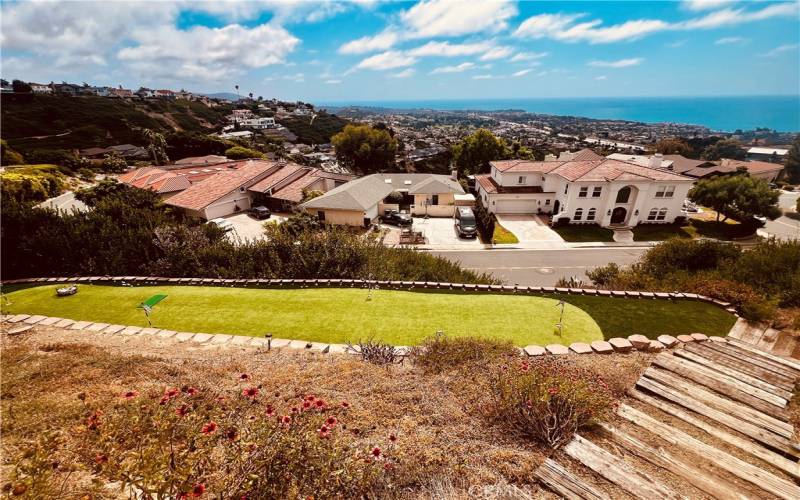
{"points": [[727, 114]]}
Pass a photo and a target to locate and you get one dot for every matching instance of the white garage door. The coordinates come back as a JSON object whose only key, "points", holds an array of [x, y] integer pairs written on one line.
{"points": [[515, 206], [226, 208]]}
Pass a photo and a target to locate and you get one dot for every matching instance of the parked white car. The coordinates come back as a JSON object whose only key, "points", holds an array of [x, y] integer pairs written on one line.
{"points": [[223, 224]]}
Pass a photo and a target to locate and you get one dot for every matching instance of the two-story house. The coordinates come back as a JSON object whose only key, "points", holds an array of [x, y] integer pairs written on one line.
{"points": [[587, 189]]}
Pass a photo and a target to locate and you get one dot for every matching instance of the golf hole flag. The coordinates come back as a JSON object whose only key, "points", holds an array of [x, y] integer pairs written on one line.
{"points": [[148, 305]]}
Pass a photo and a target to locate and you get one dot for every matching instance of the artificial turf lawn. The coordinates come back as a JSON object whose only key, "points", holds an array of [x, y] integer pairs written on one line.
{"points": [[338, 315], [503, 236]]}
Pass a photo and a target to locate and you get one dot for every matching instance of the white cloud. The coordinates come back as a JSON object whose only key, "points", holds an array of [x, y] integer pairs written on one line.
{"points": [[454, 69], [333, 82], [207, 53], [528, 56], [387, 60], [297, 77], [781, 49], [497, 53], [731, 40], [484, 77], [704, 4], [432, 18], [381, 41], [564, 27], [522, 72], [406, 73], [622, 63], [677, 43], [447, 49], [601, 77]]}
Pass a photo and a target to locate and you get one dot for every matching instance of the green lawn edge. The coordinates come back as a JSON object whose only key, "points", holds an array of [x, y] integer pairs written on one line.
{"points": [[401, 317]]}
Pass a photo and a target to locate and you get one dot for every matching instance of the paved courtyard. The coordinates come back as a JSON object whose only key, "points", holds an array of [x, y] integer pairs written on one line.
{"points": [[441, 231], [528, 228], [246, 228]]}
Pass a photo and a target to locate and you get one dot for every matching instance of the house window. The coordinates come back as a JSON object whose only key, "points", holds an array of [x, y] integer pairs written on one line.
{"points": [[665, 191], [583, 192], [521, 179], [652, 215], [591, 215], [596, 192], [578, 214], [662, 214], [624, 194], [546, 202], [566, 188], [435, 199]]}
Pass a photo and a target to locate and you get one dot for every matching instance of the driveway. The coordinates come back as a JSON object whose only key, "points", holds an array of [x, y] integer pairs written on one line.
{"points": [[440, 231], [528, 228], [246, 228]]}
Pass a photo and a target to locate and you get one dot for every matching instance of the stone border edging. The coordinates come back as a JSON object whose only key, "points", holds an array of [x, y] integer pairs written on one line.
{"points": [[617, 344]]}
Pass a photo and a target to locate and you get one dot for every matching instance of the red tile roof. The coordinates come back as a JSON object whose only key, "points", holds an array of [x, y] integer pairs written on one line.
{"points": [[754, 167], [277, 176], [609, 170], [525, 165], [586, 154], [155, 179], [491, 186], [206, 192]]}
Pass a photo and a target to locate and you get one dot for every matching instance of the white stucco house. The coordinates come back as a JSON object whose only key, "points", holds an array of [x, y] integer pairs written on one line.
{"points": [[587, 189]]}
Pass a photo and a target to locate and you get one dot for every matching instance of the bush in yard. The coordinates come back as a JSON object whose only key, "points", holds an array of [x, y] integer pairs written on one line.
{"points": [[376, 352], [441, 353], [547, 399], [255, 443]]}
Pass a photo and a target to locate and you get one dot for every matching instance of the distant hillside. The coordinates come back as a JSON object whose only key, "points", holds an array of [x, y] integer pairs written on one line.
{"points": [[59, 122], [230, 96], [318, 131]]}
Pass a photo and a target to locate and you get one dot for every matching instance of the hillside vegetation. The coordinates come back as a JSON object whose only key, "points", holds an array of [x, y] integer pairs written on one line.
{"points": [[59, 122], [316, 131]]}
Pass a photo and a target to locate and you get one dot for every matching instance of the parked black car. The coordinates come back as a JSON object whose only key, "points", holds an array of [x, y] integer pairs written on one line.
{"points": [[260, 213], [466, 225], [396, 218]]}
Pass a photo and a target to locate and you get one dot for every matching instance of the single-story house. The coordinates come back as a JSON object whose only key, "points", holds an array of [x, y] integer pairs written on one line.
{"points": [[360, 202], [768, 153]]}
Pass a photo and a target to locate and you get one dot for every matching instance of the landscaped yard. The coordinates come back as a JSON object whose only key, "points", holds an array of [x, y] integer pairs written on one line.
{"points": [[697, 228], [582, 233], [338, 315], [503, 236]]}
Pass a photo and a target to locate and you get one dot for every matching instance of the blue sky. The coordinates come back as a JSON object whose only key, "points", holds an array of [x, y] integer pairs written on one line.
{"points": [[432, 49]]}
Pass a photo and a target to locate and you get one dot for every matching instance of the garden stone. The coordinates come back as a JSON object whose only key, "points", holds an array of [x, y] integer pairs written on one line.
{"points": [[655, 346], [80, 325], [667, 340], [202, 338], [620, 345], [20, 329], [50, 321], [534, 350], [716, 338], [580, 348], [64, 323], [34, 319], [640, 342], [131, 330], [557, 349], [337, 348], [685, 338], [297, 344], [114, 329], [183, 336], [97, 327], [241, 340], [164, 334], [150, 331], [19, 317], [699, 337], [602, 347], [221, 338]]}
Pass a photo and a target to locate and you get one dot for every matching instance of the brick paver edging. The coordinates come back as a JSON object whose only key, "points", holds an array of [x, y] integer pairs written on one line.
{"points": [[618, 344], [20, 323]]}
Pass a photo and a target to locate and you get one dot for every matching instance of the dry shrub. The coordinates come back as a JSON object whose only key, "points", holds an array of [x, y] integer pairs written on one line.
{"points": [[548, 399], [441, 353], [376, 352]]}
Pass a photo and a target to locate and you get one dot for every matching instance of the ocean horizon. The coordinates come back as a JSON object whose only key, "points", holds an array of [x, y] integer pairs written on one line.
{"points": [[723, 114]]}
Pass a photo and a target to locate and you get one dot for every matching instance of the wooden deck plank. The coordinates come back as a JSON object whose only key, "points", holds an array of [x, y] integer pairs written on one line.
{"points": [[750, 473], [715, 486], [752, 333], [729, 360], [776, 460], [709, 398], [731, 372], [738, 328], [748, 429], [753, 358], [789, 363], [734, 391], [555, 477], [769, 339], [616, 470]]}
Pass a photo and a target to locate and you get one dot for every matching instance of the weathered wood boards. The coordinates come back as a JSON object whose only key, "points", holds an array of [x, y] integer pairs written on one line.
{"points": [[565, 483]]}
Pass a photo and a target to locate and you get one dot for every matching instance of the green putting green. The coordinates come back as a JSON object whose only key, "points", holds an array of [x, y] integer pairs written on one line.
{"points": [[338, 315]]}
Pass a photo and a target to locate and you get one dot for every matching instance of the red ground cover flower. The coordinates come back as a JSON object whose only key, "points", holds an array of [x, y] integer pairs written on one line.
{"points": [[182, 410], [130, 394], [198, 490], [376, 452], [244, 376], [250, 392], [209, 427], [270, 411], [331, 422]]}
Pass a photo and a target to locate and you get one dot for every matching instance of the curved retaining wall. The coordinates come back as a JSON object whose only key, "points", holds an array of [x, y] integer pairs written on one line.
{"points": [[619, 344]]}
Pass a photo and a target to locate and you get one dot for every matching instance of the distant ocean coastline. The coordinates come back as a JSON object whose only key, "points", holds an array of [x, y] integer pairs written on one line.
{"points": [[725, 114]]}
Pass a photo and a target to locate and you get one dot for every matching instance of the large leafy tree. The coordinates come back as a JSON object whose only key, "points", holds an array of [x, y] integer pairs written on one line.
{"points": [[793, 162], [674, 146], [724, 148], [473, 154], [739, 197], [365, 149]]}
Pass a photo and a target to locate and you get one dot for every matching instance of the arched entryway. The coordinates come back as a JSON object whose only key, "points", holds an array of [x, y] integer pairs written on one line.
{"points": [[618, 215]]}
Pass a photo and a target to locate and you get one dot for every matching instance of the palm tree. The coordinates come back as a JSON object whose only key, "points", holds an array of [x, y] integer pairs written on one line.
{"points": [[237, 92]]}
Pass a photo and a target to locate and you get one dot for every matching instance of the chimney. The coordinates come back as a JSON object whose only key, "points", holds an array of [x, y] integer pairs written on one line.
{"points": [[655, 160], [454, 174]]}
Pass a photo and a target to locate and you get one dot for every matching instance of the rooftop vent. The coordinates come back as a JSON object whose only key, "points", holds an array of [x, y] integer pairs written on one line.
{"points": [[387, 181], [407, 183]]}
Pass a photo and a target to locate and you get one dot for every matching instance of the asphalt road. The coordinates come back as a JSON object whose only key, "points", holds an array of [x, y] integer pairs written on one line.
{"points": [[785, 227], [541, 267]]}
